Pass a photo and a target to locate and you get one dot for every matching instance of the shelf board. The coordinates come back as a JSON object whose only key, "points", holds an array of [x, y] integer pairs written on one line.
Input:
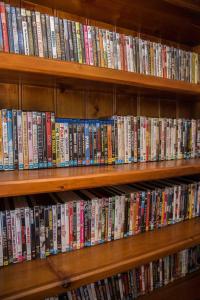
{"points": [[58, 273], [13, 183], [23, 67]]}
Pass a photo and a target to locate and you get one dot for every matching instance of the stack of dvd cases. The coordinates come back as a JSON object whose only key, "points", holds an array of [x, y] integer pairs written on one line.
{"points": [[39, 225], [32, 140], [33, 33], [140, 280]]}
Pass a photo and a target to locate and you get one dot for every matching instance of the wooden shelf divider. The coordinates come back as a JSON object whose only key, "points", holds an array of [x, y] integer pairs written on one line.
{"points": [[26, 182], [12, 64], [56, 274]]}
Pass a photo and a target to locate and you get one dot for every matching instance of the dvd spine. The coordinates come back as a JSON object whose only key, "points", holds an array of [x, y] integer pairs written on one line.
{"points": [[30, 138], [20, 140], [25, 140], [5, 139]]}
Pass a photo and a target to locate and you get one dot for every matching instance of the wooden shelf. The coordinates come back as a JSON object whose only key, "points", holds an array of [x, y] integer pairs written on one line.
{"points": [[33, 280], [184, 288], [26, 182], [25, 66]]}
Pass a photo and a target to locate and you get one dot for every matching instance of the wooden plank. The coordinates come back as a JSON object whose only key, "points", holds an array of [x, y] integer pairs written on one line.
{"points": [[126, 105], [149, 107], [185, 109], [9, 96], [27, 279], [99, 105], [168, 109], [196, 109], [70, 103], [37, 98], [20, 64], [186, 4], [60, 179], [80, 267]]}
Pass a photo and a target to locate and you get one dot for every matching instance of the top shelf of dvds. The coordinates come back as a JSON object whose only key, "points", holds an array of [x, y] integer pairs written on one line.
{"points": [[29, 68], [157, 18], [81, 48]]}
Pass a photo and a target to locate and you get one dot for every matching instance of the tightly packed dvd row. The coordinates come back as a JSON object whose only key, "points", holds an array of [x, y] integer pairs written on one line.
{"points": [[34, 33], [37, 226], [32, 140], [140, 280]]}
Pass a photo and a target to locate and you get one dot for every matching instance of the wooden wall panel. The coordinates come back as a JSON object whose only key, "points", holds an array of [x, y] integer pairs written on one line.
{"points": [[196, 110], [37, 98], [9, 95], [168, 109], [99, 105], [82, 102], [126, 105], [149, 107], [70, 104], [185, 109]]}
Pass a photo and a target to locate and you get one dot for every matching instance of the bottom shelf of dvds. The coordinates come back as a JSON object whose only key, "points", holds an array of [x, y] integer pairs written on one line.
{"points": [[58, 273], [186, 288]]}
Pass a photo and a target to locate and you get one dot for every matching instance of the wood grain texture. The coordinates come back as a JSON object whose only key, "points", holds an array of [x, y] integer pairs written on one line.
{"points": [[149, 107], [186, 4], [73, 269], [125, 105], [60, 179], [168, 109], [99, 105], [70, 103], [37, 98], [9, 95], [20, 64]]}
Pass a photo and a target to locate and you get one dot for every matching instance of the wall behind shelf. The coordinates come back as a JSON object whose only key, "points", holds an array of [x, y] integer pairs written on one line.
{"points": [[91, 103]]}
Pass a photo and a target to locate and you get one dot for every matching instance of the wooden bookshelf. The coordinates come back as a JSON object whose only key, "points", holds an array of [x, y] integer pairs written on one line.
{"points": [[55, 180], [81, 91], [56, 274], [23, 66]]}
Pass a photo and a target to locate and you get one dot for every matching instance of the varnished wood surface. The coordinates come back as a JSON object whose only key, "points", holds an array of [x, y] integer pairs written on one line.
{"points": [[33, 280], [60, 179], [21, 64], [186, 288], [187, 5]]}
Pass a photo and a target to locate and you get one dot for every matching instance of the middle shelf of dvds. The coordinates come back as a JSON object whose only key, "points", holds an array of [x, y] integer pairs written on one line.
{"points": [[56, 180], [58, 273]]}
